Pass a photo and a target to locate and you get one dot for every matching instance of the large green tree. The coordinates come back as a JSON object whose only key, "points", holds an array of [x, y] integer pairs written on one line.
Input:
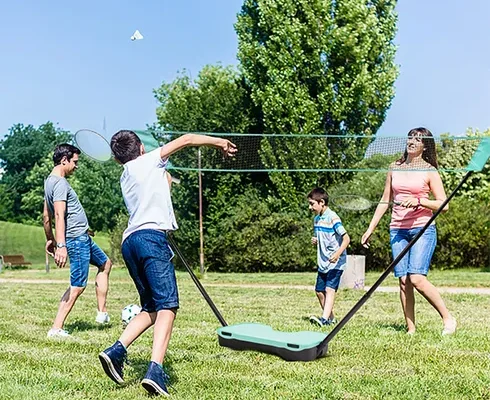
{"points": [[318, 67]]}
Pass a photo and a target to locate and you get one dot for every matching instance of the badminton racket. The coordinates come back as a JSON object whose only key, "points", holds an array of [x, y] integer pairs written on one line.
{"points": [[93, 145], [356, 203]]}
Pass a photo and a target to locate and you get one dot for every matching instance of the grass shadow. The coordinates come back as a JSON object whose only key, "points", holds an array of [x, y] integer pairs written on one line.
{"points": [[395, 327], [485, 269], [81, 326], [17, 267], [139, 367]]}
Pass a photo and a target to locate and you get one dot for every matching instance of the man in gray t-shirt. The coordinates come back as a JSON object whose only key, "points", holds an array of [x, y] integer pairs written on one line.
{"points": [[72, 239], [57, 188]]}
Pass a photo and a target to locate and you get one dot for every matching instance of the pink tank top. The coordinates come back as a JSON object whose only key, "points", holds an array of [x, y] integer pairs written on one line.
{"points": [[406, 184]]}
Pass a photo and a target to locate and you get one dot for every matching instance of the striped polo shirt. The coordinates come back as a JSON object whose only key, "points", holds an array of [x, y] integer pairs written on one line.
{"points": [[329, 231]]}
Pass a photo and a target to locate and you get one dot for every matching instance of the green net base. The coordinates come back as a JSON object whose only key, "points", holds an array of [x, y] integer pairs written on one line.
{"points": [[290, 346]]}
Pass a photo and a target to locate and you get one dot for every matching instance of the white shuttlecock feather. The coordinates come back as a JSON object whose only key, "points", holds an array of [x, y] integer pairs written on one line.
{"points": [[137, 36]]}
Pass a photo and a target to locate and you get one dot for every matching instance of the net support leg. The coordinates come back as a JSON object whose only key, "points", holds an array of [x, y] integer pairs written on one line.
{"points": [[197, 282]]}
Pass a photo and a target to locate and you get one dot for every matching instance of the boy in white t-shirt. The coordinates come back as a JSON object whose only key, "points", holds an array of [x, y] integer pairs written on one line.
{"points": [[146, 192]]}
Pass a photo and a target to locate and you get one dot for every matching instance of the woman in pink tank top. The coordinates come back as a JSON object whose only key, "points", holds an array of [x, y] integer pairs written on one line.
{"points": [[408, 184]]}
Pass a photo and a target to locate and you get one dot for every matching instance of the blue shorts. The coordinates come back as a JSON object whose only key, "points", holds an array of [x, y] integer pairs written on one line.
{"points": [[82, 252], [329, 279], [417, 260], [147, 255]]}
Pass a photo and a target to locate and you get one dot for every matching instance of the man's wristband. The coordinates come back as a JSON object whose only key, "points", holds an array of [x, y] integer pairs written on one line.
{"points": [[60, 245]]}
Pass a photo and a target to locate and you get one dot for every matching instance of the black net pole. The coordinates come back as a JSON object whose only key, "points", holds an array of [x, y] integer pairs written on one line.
{"points": [[197, 282]]}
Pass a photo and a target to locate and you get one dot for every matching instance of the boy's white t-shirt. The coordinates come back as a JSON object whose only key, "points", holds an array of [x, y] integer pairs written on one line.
{"points": [[146, 194]]}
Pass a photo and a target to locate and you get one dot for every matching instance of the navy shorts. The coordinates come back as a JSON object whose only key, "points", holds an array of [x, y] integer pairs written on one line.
{"points": [[329, 279], [82, 251], [147, 255]]}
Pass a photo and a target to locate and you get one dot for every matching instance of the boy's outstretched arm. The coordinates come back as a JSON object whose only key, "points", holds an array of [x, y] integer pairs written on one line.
{"points": [[190, 139]]}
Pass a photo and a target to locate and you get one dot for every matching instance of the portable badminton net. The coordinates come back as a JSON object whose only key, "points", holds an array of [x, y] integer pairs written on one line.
{"points": [[297, 153], [307, 345]]}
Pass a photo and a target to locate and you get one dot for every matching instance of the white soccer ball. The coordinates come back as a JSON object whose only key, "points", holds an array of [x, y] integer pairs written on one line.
{"points": [[129, 312]]}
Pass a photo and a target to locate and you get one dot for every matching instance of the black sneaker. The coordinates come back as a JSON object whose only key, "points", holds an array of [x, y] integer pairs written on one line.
{"points": [[155, 380], [112, 360]]}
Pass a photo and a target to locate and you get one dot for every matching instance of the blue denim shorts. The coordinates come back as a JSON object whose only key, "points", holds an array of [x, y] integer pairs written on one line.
{"points": [[82, 252], [147, 255], [417, 260], [329, 279]]}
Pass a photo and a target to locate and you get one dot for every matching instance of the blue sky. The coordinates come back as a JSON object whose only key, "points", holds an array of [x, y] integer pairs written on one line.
{"points": [[73, 62]]}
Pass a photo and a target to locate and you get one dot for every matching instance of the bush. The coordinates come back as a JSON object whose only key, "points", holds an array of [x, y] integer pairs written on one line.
{"points": [[463, 235], [249, 234], [254, 237]]}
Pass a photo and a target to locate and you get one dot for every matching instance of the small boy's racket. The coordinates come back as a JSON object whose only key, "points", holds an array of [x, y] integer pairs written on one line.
{"points": [[356, 203], [93, 145]]}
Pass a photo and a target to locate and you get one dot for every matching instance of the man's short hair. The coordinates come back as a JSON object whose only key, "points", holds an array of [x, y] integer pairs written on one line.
{"points": [[64, 150], [318, 194], [125, 146]]}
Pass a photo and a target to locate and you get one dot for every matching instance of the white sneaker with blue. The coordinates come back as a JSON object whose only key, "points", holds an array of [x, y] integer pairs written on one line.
{"points": [[102, 317], [59, 333], [320, 321]]}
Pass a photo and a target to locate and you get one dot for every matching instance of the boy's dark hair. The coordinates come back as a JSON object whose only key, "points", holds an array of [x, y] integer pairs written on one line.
{"points": [[318, 194], [64, 150], [125, 146]]}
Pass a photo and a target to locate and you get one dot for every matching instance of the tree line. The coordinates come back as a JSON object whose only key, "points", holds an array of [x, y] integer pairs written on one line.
{"points": [[304, 68]]}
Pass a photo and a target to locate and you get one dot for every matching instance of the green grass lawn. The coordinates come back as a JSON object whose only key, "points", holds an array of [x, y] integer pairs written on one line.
{"points": [[371, 358]]}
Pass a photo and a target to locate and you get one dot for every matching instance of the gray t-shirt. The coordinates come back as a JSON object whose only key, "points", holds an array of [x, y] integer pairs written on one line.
{"points": [[57, 188]]}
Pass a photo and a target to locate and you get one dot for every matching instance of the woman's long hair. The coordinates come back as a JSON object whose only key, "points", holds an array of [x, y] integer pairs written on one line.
{"points": [[429, 153]]}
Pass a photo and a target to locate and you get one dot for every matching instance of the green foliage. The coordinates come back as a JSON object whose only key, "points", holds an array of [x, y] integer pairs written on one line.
{"points": [[115, 238], [463, 235], [97, 186], [33, 200], [216, 101], [20, 150], [26, 154], [251, 235], [6, 203], [318, 67], [478, 185]]}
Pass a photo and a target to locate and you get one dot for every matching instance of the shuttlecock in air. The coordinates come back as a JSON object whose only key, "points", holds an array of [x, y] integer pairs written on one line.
{"points": [[137, 36]]}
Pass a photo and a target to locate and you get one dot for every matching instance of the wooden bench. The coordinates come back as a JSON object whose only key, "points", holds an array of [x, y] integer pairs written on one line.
{"points": [[10, 260]]}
